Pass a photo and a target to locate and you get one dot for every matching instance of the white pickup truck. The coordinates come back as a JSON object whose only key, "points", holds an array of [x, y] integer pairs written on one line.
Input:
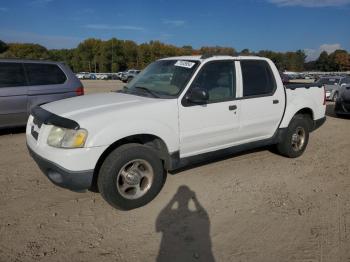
{"points": [[124, 143]]}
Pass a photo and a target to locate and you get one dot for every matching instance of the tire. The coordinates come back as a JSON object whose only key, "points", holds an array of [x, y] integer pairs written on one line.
{"points": [[125, 179], [296, 138]]}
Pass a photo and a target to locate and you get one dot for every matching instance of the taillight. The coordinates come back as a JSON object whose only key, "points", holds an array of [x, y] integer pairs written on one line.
{"points": [[324, 95], [79, 91]]}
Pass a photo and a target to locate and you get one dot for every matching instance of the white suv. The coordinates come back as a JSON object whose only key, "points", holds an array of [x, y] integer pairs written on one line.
{"points": [[177, 108]]}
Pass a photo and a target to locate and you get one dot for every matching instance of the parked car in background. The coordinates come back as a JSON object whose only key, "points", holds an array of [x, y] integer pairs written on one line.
{"points": [[332, 85], [79, 75], [342, 104], [83, 75], [114, 76], [129, 75], [102, 76], [285, 78], [25, 84], [122, 75], [119, 75]]}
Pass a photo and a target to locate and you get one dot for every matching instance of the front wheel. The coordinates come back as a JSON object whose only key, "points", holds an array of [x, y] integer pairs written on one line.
{"points": [[296, 138], [131, 176]]}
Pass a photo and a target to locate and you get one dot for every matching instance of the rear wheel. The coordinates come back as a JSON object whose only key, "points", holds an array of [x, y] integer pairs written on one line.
{"points": [[296, 138], [131, 176]]}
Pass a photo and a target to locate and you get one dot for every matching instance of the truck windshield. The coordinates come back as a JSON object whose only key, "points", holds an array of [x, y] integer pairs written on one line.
{"points": [[329, 81], [163, 78]]}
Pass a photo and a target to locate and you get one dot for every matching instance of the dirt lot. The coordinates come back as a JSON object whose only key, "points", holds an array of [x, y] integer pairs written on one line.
{"points": [[98, 86], [255, 206]]}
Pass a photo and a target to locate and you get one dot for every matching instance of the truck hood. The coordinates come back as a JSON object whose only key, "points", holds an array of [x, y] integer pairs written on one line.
{"points": [[80, 107]]}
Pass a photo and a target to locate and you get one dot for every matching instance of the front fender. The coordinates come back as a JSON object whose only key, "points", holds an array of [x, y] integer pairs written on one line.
{"points": [[113, 132]]}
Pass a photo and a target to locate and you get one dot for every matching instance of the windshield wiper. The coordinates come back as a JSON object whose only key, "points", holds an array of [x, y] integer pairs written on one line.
{"points": [[147, 90]]}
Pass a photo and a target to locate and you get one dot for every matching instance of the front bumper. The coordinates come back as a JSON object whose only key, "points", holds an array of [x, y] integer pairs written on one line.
{"points": [[73, 180]]}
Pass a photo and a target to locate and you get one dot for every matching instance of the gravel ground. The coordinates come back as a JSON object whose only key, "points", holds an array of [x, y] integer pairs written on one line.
{"points": [[254, 206], [98, 86]]}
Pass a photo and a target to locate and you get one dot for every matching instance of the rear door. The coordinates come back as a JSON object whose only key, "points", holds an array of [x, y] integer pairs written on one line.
{"points": [[13, 94], [47, 83], [262, 101]]}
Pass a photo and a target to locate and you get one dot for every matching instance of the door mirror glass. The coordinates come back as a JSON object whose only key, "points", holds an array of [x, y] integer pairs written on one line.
{"points": [[198, 96]]}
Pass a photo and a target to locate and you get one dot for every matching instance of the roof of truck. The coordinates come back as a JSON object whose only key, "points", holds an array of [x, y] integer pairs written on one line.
{"points": [[214, 57]]}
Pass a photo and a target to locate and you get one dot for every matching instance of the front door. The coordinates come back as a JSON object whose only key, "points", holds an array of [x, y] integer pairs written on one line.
{"points": [[214, 125]]}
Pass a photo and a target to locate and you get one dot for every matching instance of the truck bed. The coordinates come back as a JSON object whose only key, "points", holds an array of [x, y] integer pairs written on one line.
{"points": [[301, 85]]}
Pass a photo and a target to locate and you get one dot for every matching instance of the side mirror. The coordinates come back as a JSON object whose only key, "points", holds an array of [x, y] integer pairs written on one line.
{"points": [[198, 96], [343, 84]]}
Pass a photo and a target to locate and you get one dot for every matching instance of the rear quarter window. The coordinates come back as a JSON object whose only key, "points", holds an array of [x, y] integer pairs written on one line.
{"points": [[11, 75], [44, 74], [258, 79]]}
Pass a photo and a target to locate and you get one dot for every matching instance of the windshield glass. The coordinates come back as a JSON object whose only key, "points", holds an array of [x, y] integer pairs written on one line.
{"points": [[329, 81], [163, 78]]}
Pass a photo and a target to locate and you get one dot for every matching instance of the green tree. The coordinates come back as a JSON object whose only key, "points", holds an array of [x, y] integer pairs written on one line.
{"points": [[86, 54], [323, 62], [245, 51], [217, 50], [340, 60], [118, 55], [63, 55], [26, 51], [293, 61], [187, 50]]}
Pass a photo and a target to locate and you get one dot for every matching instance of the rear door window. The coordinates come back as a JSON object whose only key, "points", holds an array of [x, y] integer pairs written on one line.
{"points": [[44, 74], [11, 75], [258, 79]]}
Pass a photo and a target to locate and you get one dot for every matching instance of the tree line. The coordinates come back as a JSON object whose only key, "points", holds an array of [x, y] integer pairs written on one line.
{"points": [[113, 55]]}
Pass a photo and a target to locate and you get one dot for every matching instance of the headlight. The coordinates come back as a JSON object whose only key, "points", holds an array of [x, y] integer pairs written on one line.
{"points": [[66, 138]]}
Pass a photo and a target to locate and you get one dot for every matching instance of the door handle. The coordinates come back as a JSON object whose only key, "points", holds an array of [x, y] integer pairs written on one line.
{"points": [[232, 107], [276, 101]]}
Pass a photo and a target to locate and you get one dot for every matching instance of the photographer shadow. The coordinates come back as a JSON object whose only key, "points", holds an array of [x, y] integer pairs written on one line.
{"points": [[185, 229]]}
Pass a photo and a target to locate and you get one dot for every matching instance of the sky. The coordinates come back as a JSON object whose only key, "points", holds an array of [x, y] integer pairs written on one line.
{"points": [[278, 25]]}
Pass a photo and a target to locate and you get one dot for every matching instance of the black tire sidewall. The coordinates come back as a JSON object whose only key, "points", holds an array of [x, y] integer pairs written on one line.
{"points": [[110, 169], [285, 147]]}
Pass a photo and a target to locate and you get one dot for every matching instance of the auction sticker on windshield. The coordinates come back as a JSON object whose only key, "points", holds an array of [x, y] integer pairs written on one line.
{"points": [[186, 64]]}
